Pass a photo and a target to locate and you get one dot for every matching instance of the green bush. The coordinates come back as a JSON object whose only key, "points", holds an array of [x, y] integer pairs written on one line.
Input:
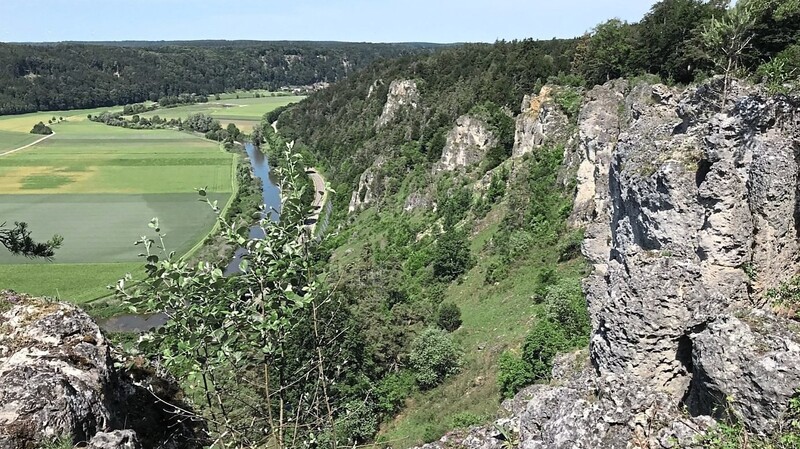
{"points": [[565, 304], [569, 100], [465, 420], [41, 128], [541, 345], [433, 357], [451, 256], [449, 317], [513, 374], [495, 272], [358, 423], [393, 389]]}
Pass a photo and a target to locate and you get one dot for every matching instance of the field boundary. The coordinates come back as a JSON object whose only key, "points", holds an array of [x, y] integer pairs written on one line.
{"points": [[28, 145]]}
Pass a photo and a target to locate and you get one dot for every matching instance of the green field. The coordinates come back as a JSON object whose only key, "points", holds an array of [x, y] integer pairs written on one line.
{"points": [[244, 112], [98, 186], [10, 140]]}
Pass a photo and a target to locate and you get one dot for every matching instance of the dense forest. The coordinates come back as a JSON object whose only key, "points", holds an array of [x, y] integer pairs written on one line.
{"points": [[45, 77]]}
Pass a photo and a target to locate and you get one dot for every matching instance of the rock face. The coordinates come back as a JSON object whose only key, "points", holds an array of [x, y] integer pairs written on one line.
{"points": [[540, 121], [58, 379], [369, 188], [467, 143], [691, 214], [402, 94]]}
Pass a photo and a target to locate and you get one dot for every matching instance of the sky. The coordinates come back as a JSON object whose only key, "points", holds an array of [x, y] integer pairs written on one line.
{"points": [[440, 21]]}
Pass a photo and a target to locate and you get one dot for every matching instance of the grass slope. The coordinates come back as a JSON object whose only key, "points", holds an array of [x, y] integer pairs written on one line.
{"points": [[496, 317]]}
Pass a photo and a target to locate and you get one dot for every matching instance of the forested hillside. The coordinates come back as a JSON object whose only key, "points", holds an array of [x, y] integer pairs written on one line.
{"points": [[339, 123], [45, 77], [455, 176]]}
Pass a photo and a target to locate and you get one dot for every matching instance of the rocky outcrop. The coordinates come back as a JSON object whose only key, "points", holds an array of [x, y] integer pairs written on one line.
{"points": [[370, 184], [466, 144], [58, 379], [691, 215], [540, 121], [417, 201], [402, 94]]}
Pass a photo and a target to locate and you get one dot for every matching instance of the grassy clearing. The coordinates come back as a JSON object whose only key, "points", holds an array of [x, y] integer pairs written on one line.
{"points": [[10, 140], [495, 318], [72, 282]]}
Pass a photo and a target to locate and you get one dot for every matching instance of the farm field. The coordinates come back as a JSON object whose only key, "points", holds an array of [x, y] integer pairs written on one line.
{"points": [[243, 112], [98, 186]]}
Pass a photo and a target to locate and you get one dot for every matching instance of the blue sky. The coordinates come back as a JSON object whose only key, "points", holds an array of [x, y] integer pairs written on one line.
{"points": [[339, 20]]}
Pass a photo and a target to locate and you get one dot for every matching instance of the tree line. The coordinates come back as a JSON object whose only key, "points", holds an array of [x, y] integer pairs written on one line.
{"points": [[63, 76]]}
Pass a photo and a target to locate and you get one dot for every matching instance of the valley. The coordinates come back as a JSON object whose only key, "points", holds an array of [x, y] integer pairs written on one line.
{"points": [[98, 186], [587, 241]]}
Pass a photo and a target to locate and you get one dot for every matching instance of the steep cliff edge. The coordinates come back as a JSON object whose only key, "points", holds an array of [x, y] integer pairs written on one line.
{"points": [[691, 217], [61, 378]]}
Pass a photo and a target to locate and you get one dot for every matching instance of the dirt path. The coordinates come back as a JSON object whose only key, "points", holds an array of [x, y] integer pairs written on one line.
{"points": [[27, 146]]}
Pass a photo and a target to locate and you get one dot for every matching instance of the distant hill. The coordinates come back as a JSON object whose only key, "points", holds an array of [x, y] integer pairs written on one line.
{"points": [[58, 76]]}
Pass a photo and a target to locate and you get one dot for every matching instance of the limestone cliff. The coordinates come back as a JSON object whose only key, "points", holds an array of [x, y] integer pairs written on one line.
{"points": [[540, 121], [369, 187], [691, 214], [60, 377], [402, 94], [467, 143]]}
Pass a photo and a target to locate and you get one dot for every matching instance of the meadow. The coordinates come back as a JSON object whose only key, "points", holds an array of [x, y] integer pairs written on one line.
{"points": [[245, 112], [99, 186]]}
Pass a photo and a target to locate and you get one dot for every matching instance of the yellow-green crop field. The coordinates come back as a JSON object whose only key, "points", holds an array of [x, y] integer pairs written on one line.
{"points": [[98, 186], [244, 112]]}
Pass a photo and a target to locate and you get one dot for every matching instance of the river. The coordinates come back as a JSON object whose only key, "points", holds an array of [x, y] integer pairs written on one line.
{"points": [[272, 201]]}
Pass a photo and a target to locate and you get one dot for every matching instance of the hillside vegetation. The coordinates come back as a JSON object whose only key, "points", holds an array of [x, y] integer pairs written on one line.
{"points": [[467, 184], [49, 77]]}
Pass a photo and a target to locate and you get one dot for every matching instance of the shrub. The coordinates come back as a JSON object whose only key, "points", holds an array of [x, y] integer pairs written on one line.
{"points": [[513, 374], [495, 272], [358, 423], [41, 128], [565, 305], [433, 357], [451, 256], [569, 100], [465, 420], [449, 317], [393, 390], [545, 340]]}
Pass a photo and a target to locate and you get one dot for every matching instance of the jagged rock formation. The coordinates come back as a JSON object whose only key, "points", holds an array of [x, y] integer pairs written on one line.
{"points": [[540, 121], [691, 214], [402, 94], [58, 379], [467, 143], [369, 187]]}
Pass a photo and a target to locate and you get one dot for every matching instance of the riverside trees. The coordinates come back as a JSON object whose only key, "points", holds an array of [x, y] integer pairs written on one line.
{"points": [[256, 349]]}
